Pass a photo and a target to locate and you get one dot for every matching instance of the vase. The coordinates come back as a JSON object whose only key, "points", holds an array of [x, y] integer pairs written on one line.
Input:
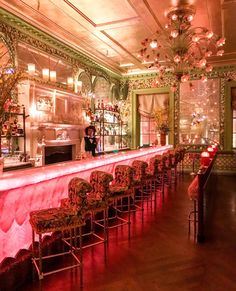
{"points": [[163, 139]]}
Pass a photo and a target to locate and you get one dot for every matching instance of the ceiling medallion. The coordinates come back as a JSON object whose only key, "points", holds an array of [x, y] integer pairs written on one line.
{"points": [[181, 48]]}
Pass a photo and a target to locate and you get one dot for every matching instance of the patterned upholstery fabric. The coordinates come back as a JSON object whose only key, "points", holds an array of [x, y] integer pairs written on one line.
{"points": [[98, 197], [123, 180], [54, 219], [77, 192], [100, 182], [139, 168], [154, 166], [165, 161], [161, 165]]}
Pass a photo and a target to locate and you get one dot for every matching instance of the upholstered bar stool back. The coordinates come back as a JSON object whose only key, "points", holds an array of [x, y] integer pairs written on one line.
{"points": [[98, 204], [100, 182], [161, 172], [142, 184], [166, 169], [123, 181], [139, 168], [77, 201], [121, 188]]}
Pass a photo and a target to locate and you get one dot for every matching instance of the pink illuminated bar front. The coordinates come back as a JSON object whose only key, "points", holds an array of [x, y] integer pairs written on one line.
{"points": [[26, 190]]}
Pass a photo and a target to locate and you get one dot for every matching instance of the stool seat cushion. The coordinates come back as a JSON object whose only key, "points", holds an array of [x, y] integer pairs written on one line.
{"points": [[118, 189], [96, 204], [54, 219]]}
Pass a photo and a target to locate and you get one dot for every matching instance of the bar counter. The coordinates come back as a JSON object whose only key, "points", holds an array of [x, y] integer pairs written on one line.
{"points": [[26, 190]]}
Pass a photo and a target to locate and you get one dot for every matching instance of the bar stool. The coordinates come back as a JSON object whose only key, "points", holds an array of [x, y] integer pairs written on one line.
{"points": [[173, 162], [52, 220], [141, 183], [98, 202], [160, 173], [166, 169], [94, 201], [121, 188], [156, 176]]}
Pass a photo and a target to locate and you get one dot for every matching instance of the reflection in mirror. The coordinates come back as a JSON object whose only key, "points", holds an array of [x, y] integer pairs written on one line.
{"points": [[86, 83], [101, 89], [199, 112], [45, 65]]}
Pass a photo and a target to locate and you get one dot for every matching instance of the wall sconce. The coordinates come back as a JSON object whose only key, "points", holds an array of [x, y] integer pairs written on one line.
{"points": [[70, 82], [53, 76], [45, 73], [31, 69]]}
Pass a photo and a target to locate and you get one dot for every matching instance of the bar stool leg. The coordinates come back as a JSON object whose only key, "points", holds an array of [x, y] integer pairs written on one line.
{"points": [[105, 218], [81, 257], [40, 257]]}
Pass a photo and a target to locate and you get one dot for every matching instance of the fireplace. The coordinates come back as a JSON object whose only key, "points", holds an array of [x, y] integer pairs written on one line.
{"points": [[56, 154]]}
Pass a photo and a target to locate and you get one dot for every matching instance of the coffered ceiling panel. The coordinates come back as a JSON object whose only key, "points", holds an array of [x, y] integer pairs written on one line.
{"points": [[112, 11], [110, 31]]}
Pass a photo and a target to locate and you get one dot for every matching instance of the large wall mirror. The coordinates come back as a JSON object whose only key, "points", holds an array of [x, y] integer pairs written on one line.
{"points": [[43, 64], [199, 112]]}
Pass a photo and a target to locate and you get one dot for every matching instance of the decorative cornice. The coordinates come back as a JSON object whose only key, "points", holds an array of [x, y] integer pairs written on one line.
{"points": [[216, 72], [19, 30]]}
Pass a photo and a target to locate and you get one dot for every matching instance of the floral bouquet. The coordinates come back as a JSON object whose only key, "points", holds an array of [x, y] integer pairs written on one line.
{"points": [[160, 116]]}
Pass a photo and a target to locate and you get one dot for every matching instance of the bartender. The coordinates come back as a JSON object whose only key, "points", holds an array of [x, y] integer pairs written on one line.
{"points": [[90, 140]]}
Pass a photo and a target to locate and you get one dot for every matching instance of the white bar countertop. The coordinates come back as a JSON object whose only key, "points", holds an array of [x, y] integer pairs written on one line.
{"points": [[20, 178]]}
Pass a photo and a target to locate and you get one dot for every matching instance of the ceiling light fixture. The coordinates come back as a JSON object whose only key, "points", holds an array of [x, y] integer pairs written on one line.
{"points": [[126, 65], [183, 48]]}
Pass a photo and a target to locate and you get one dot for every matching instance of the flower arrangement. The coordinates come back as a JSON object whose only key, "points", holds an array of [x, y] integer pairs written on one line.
{"points": [[160, 116], [9, 77]]}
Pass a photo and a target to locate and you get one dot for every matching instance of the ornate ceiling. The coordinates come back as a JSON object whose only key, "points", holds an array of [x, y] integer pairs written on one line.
{"points": [[111, 31]]}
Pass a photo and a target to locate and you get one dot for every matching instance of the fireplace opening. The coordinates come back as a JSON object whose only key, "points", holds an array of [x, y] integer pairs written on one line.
{"points": [[56, 154]]}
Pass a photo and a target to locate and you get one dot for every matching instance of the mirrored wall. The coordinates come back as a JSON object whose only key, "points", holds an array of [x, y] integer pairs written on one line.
{"points": [[199, 112]]}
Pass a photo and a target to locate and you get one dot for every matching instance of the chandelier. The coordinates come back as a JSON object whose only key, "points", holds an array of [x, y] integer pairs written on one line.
{"points": [[180, 48]]}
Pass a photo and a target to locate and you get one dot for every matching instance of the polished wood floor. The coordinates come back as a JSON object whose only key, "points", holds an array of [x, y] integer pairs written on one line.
{"points": [[160, 256]]}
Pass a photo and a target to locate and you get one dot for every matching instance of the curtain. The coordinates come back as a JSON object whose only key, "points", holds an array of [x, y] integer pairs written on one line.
{"points": [[149, 102]]}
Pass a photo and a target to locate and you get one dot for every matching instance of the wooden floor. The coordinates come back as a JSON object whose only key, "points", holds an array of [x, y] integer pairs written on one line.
{"points": [[160, 256]]}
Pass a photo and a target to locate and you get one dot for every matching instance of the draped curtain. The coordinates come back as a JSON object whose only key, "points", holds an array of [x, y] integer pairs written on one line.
{"points": [[150, 102]]}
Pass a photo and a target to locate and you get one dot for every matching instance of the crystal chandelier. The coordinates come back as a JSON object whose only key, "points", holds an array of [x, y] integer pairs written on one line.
{"points": [[180, 48]]}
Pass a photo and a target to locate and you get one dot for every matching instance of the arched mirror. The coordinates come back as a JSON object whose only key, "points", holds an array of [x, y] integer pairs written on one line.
{"points": [[86, 83], [6, 55], [101, 89]]}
